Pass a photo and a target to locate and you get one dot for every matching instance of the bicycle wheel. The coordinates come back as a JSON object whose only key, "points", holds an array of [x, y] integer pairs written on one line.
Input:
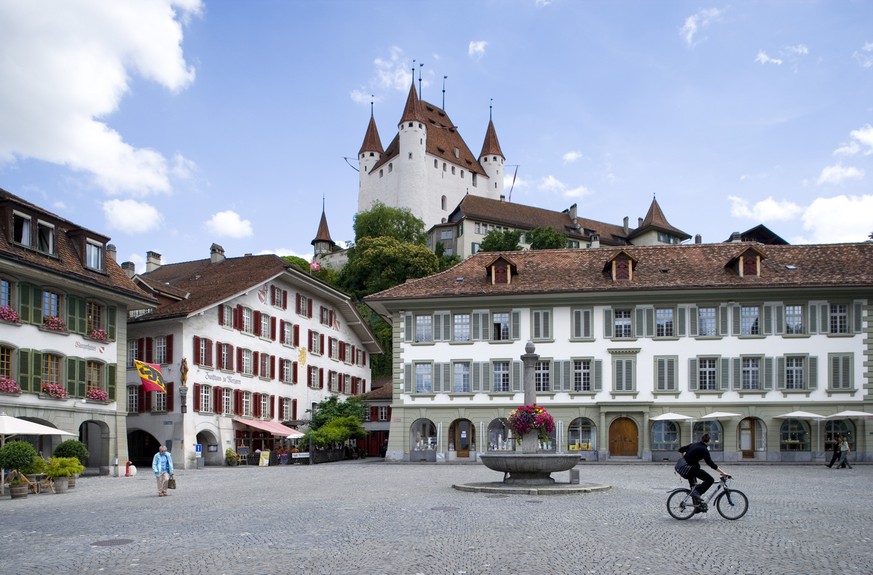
{"points": [[679, 504], [732, 504]]}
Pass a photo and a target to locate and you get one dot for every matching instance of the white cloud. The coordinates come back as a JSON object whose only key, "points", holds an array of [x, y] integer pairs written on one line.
{"points": [[182, 167], [696, 23], [838, 173], [364, 97], [862, 137], [578, 192], [763, 58], [131, 216], [838, 219], [767, 210], [58, 109], [542, 3], [571, 157], [799, 49], [395, 72], [554, 185], [476, 49], [848, 149], [864, 56], [229, 224]]}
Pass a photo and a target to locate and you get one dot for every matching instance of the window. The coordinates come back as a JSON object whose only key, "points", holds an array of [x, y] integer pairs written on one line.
{"points": [[159, 403], [840, 371], [51, 369], [51, 304], [665, 436], [287, 333], [45, 238], [839, 318], [303, 305], [6, 361], [461, 327], [582, 375], [383, 413], [794, 369], [665, 374], [94, 375], [131, 352], [461, 377], [160, 347], [423, 378], [133, 399], [278, 297], [664, 323], [333, 381], [287, 371], [246, 408], [707, 374], [446, 234], [751, 373], [623, 370], [287, 409], [794, 436], [246, 367], [265, 330], [206, 398], [264, 365], [94, 317], [325, 316], [21, 229], [501, 327], [314, 377], [227, 400], [225, 356], [6, 299], [623, 323], [248, 323], [542, 371], [713, 428], [423, 329], [315, 339], [226, 315], [500, 369], [93, 255], [581, 328], [541, 324], [474, 248], [749, 320], [203, 351], [264, 406], [707, 325], [794, 319]]}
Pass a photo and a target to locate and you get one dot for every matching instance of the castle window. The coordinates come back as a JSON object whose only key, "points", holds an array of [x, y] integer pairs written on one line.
{"points": [[444, 166], [410, 155], [486, 159], [474, 180], [390, 168], [381, 173], [420, 127], [371, 154], [457, 153], [453, 170], [462, 174], [443, 203], [436, 163], [410, 124]]}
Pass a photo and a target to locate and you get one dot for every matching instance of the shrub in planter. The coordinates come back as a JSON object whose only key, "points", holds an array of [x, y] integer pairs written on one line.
{"points": [[230, 456], [63, 467], [18, 456], [72, 448]]}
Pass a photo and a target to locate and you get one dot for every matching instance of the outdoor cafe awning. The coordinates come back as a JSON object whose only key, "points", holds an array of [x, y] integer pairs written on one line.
{"points": [[272, 427]]}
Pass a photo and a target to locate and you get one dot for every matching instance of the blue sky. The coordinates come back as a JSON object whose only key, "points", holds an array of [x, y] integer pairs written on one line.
{"points": [[174, 124]]}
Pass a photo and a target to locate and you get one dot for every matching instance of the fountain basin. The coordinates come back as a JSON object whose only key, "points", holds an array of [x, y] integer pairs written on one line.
{"points": [[529, 468]]}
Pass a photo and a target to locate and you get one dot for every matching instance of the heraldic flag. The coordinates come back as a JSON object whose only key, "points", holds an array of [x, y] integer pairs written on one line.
{"points": [[150, 375]]}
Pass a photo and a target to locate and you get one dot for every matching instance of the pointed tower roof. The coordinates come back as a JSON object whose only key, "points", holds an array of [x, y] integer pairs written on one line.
{"points": [[323, 234], [655, 219], [372, 142], [412, 110], [491, 146]]}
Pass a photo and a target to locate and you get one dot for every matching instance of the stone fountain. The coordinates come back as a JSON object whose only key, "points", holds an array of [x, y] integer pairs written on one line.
{"points": [[529, 468]]}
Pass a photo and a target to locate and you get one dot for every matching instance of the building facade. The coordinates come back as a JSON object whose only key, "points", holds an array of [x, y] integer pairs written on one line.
{"points": [[732, 337], [247, 346], [64, 303]]}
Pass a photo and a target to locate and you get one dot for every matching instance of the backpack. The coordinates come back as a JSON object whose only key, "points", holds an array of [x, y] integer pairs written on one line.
{"points": [[683, 468]]}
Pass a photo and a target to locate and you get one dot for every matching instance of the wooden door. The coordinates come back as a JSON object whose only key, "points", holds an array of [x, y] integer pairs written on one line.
{"points": [[747, 438], [463, 437], [623, 438]]}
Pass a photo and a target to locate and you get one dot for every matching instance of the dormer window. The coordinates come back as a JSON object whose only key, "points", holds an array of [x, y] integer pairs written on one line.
{"points": [[749, 264], [501, 270], [94, 255], [21, 229], [620, 267], [45, 238]]}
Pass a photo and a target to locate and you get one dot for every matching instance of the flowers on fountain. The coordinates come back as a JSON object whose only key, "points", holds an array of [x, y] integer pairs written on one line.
{"points": [[54, 390], [54, 323], [9, 385], [529, 418], [96, 394], [7, 313]]}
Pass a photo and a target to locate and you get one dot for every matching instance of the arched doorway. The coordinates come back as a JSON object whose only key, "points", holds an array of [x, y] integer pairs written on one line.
{"points": [[752, 437], [141, 448], [95, 436], [623, 438], [210, 451], [462, 435], [422, 440]]}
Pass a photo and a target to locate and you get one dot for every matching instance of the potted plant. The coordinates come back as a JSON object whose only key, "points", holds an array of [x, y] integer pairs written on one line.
{"points": [[60, 469], [99, 334], [7, 313], [96, 394], [54, 390], [17, 456], [9, 385], [72, 448], [230, 457], [54, 323]]}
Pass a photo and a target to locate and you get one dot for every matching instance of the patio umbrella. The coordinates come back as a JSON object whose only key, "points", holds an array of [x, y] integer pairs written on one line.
{"points": [[669, 416], [803, 415], [10, 426], [720, 415], [848, 414]]}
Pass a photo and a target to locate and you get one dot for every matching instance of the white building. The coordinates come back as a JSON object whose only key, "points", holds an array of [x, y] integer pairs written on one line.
{"points": [[64, 303], [625, 334], [262, 342]]}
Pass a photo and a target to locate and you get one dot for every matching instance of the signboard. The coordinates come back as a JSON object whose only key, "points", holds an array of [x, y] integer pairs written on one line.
{"points": [[198, 450]]}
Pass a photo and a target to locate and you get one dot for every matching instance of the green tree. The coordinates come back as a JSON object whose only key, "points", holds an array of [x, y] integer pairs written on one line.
{"points": [[383, 262], [297, 262], [333, 422], [546, 239], [497, 241], [380, 364], [384, 221]]}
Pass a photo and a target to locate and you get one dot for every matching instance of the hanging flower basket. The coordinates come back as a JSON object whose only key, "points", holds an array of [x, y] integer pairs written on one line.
{"points": [[530, 418]]}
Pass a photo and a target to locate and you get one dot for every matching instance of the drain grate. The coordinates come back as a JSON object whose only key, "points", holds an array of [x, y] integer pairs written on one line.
{"points": [[111, 542], [534, 501], [497, 496], [444, 508]]}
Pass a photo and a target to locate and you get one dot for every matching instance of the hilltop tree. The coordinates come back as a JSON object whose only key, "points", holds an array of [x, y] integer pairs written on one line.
{"points": [[385, 221], [497, 241], [546, 239], [383, 262]]}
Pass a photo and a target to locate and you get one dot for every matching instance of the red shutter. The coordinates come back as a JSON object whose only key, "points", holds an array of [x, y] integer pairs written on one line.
{"points": [[256, 405], [294, 409], [140, 349], [148, 401], [196, 397], [217, 404], [256, 364], [297, 302], [237, 402], [284, 299], [296, 336], [219, 363], [170, 396], [374, 413], [320, 378], [309, 340], [309, 375], [197, 359], [272, 367], [364, 359], [354, 386], [208, 360], [354, 358], [229, 365], [272, 407], [150, 351], [294, 372], [273, 328], [239, 361], [272, 294], [309, 307], [141, 395], [389, 413], [321, 343], [256, 317], [329, 347], [221, 314], [170, 348], [238, 317]]}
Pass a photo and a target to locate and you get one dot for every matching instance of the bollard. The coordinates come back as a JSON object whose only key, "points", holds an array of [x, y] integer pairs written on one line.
{"points": [[574, 476], [127, 470]]}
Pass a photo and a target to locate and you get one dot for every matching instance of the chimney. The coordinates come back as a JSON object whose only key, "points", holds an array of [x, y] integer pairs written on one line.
{"points": [[639, 222], [698, 239], [735, 237], [111, 252], [595, 240], [153, 261], [573, 213], [626, 230], [216, 254], [129, 269]]}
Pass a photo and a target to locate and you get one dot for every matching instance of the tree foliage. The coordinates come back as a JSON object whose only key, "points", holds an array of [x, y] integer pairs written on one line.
{"points": [[334, 422], [546, 239], [501, 241], [297, 262], [385, 221], [383, 262], [332, 408]]}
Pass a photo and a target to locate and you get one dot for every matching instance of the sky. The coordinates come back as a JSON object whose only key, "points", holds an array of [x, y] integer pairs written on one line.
{"points": [[170, 125]]}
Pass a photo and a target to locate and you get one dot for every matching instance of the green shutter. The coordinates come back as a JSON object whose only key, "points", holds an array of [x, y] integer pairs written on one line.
{"points": [[486, 375], [780, 319], [736, 317], [515, 325], [725, 373], [110, 380], [780, 372], [408, 327], [857, 311], [681, 322], [825, 325], [437, 327], [650, 322], [438, 384], [738, 374], [587, 315], [577, 324], [640, 327], [692, 321], [447, 326], [768, 320], [722, 313], [476, 377], [25, 308], [813, 319], [768, 373], [25, 373], [812, 373], [607, 323], [407, 377], [597, 366], [72, 318], [692, 373], [72, 372], [516, 381]]}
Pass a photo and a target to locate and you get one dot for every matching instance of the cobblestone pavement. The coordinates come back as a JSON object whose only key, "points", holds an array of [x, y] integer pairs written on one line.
{"points": [[375, 517]]}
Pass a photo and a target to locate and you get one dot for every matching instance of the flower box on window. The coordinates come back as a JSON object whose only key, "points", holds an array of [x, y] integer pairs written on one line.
{"points": [[8, 314], [54, 391], [9, 386], [54, 323], [96, 394], [99, 334]]}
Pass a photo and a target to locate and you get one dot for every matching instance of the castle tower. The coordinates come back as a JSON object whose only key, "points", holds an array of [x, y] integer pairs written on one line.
{"points": [[371, 149], [491, 158], [323, 244], [410, 159]]}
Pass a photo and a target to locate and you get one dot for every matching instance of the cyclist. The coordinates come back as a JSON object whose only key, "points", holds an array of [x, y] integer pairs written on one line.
{"points": [[694, 453]]}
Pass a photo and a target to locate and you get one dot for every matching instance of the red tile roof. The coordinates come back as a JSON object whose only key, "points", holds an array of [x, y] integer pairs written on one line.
{"points": [[372, 142], [655, 219], [491, 145]]}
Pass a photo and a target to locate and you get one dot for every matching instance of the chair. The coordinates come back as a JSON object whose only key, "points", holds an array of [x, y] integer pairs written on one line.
{"points": [[44, 485]]}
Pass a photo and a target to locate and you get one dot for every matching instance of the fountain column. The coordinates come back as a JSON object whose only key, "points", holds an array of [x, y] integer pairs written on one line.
{"points": [[529, 442]]}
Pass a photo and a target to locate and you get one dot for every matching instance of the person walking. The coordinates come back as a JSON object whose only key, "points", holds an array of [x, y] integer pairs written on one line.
{"points": [[844, 454], [162, 465], [836, 456]]}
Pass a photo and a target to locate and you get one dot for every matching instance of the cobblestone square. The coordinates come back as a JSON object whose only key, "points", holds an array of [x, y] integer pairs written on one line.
{"points": [[375, 517]]}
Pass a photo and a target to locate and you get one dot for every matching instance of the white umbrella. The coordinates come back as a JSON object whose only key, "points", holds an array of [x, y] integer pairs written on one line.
{"points": [[720, 415], [295, 434], [849, 413], [799, 415], [669, 416], [10, 426]]}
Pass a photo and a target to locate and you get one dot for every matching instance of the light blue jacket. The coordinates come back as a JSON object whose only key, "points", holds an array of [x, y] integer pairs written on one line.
{"points": [[156, 463]]}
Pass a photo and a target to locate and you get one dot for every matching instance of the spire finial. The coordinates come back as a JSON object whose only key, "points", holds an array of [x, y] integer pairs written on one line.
{"points": [[413, 73], [490, 107], [420, 66], [322, 202], [444, 92]]}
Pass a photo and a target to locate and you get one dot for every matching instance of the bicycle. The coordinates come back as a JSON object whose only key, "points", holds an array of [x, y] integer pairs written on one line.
{"points": [[731, 503]]}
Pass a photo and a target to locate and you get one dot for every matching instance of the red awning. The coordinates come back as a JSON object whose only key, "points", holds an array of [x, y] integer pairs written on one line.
{"points": [[273, 427]]}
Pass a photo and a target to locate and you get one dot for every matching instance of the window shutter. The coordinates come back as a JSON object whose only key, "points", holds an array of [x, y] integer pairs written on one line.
{"points": [[321, 343], [169, 340], [230, 357], [537, 318], [780, 372], [515, 325], [447, 331], [724, 373], [650, 322], [408, 328], [577, 324], [237, 402], [692, 321], [272, 367], [407, 377], [660, 374], [680, 331], [296, 336], [256, 319], [813, 319], [738, 374], [857, 313], [309, 307], [768, 319], [256, 364], [150, 350], [597, 366], [111, 375], [140, 349], [217, 403], [607, 323], [320, 378], [196, 397], [768, 373], [566, 375], [239, 359], [24, 371], [171, 396], [284, 299], [439, 385], [82, 385], [639, 328], [110, 321], [221, 314], [825, 325], [24, 307], [779, 316], [256, 405], [438, 326], [516, 381], [208, 360], [486, 376], [812, 372], [476, 377], [309, 340], [237, 317], [147, 400], [272, 407], [692, 374], [722, 320], [735, 328], [619, 375], [294, 372], [142, 397], [297, 302], [273, 328]]}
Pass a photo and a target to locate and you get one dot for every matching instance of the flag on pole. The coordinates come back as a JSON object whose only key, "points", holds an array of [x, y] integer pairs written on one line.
{"points": [[150, 375], [315, 266]]}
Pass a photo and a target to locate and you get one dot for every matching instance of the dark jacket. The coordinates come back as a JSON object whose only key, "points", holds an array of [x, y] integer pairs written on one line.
{"points": [[694, 453]]}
